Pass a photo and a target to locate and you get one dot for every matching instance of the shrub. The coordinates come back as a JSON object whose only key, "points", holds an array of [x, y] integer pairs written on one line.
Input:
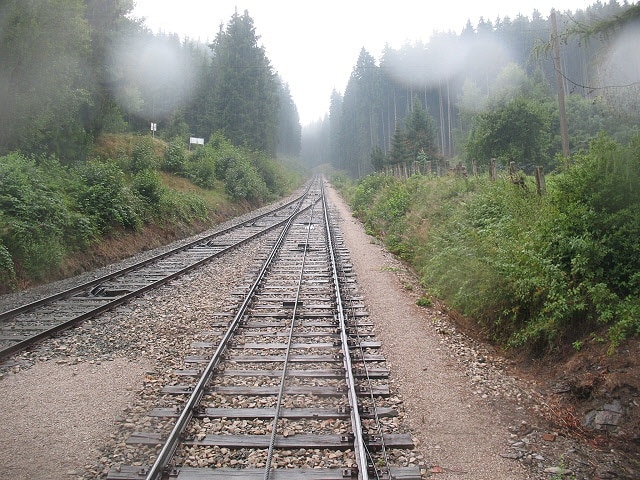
{"points": [[183, 207], [174, 158], [7, 270], [242, 182], [35, 215], [105, 198], [143, 156], [147, 185], [201, 168], [536, 272]]}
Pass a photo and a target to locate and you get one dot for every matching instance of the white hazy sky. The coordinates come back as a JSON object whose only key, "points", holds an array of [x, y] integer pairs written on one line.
{"points": [[314, 45]]}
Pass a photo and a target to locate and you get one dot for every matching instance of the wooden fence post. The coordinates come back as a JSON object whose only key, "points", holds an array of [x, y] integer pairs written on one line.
{"points": [[540, 182], [493, 169]]}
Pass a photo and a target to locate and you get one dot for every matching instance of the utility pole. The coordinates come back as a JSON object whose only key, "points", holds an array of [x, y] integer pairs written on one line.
{"points": [[560, 84]]}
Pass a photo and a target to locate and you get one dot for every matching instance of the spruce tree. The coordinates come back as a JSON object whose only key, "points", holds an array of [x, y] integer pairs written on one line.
{"points": [[245, 96]]}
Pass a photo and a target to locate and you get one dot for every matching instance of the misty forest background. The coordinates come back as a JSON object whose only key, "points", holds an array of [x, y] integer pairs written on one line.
{"points": [[81, 82]]}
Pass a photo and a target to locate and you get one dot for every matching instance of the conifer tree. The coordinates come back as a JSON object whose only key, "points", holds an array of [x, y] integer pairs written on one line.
{"points": [[420, 134], [245, 96], [43, 87]]}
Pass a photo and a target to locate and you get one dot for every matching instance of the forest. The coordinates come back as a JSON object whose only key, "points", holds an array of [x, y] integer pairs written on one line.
{"points": [[488, 92], [73, 70], [539, 267]]}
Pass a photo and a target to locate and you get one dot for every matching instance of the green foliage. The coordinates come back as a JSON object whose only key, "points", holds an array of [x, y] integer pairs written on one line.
{"points": [[44, 46], [420, 132], [37, 221], [342, 182], [385, 201], [147, 185], [369, 190], [142, 156], [242, 182], [105, 198], [246, 174], [200, 167], [182, 207], [536, 272], [357, 126], [49, 211], [518, 131], [424, 302], [174, 158], [7, 270], [377, 159], [245, 90]]}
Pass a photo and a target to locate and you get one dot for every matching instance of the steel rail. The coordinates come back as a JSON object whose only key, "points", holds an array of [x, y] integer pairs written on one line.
{"points": [[285, 366], [167, 452], [372, 399], [358, 442]]}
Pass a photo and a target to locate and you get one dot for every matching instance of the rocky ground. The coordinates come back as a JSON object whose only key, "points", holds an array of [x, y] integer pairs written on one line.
{"points": [[66, 407]]}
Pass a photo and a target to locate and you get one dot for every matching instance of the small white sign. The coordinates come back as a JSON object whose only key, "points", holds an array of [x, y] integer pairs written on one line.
{"points": [[196, 141], [154, 127]]}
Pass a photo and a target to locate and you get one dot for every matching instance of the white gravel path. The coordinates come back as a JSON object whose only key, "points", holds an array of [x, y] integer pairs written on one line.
{"points": [[44, 433]]}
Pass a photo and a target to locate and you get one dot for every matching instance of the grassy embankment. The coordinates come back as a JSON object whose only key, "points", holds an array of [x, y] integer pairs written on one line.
{"points": [[134, 193], [537, 273]]}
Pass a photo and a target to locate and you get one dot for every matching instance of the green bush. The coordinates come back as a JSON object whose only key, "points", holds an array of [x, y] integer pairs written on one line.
{"points": [[201, 167], [183, 207], [7, 270], [174, 158], [143, 156], [35, 216], [105, 197], [242, 182], [536, 272], [147, 185]]}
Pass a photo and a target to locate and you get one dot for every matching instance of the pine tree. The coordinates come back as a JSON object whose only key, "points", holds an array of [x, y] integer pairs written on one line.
{"points": [[245, 96], [289, 130], [420, 133], [360, 115], [43, 86]]}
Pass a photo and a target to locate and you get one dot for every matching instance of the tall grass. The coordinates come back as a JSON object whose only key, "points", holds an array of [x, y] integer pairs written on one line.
{"points": [[537, 272]]}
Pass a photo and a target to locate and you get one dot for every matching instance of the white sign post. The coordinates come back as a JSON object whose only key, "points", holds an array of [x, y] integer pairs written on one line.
{"points": [[154, 127]]}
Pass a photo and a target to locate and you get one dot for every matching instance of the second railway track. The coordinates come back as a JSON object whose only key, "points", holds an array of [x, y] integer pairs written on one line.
{"points": [[22, 326]]}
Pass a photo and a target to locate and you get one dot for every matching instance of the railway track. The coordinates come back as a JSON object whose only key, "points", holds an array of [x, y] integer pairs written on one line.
{"points": [[25, 325], [287, 384]]}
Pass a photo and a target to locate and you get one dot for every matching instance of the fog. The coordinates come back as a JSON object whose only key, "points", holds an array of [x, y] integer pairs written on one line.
{"points": [[152, 77], [618, 69], [446, 58]]}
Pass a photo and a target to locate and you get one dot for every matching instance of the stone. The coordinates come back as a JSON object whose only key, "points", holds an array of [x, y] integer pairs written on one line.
{"points": [[558, 471]]}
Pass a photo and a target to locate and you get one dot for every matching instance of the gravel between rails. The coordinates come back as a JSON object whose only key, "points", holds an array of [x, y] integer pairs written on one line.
{"points": [[74, 399]]}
